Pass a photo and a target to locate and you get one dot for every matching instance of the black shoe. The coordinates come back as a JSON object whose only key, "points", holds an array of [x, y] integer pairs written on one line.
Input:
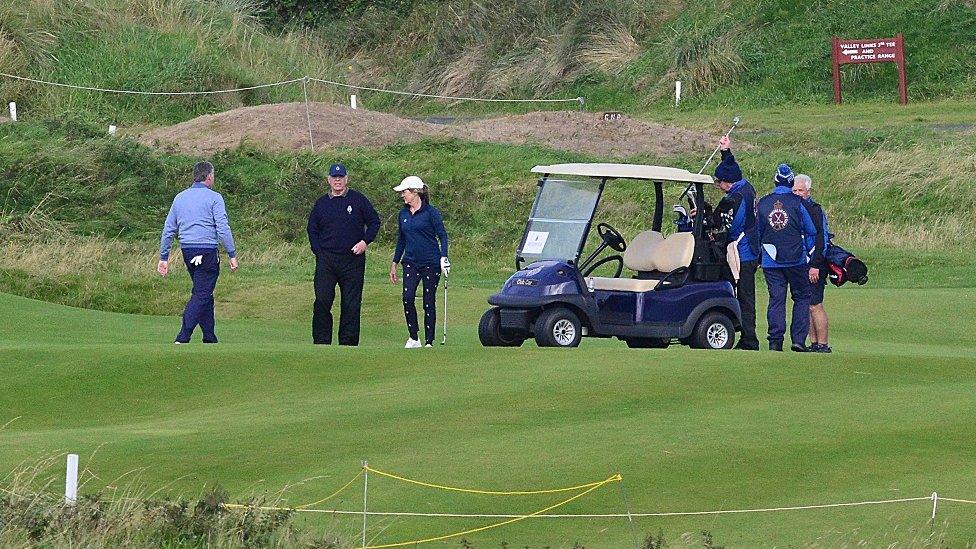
{"points": [[801, 348], [776, 346], [744, 347], [210, 341], [821, 348]]}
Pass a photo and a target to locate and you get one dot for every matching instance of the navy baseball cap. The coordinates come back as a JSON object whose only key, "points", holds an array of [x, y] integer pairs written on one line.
{"points": [[337, 170]]}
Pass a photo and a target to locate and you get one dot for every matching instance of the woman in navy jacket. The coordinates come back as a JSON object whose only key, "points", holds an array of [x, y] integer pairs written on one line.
{"points": [[422, 246]]}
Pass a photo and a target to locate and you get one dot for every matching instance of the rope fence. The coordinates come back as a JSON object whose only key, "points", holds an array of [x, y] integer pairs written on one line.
{"points": [[154, 93], [305, 80], [579, 100], [581, 489], [71, 497]]}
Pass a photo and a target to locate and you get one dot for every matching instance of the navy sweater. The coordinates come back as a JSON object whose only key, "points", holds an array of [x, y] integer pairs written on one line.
{"points": [[418, 235], [337, 223]]}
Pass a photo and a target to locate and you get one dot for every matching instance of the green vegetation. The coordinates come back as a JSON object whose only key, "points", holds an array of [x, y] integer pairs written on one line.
{"points": [[149, 45], [264, 414], [619, 54], [272, 419], [134, 516]]}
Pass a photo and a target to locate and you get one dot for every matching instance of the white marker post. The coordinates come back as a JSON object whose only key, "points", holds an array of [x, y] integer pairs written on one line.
{"points": [[677, 92], [365, 488], [111, 129], [13, 111], [352, 101], [71, 480]]}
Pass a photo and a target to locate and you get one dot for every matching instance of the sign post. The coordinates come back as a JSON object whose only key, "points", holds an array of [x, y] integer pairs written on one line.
{"points": [[880, 50]]}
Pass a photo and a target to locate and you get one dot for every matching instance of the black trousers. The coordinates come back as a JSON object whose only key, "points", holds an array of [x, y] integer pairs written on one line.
{"points": [[746, 294], [348, 271], [412, 277]]}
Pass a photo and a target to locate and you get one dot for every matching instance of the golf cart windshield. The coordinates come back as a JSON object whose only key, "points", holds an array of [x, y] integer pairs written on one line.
{"points": [[560, 219]]}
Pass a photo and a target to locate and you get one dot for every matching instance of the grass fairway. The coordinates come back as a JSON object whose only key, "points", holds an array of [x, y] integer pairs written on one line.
{"points": [[889, 415]]}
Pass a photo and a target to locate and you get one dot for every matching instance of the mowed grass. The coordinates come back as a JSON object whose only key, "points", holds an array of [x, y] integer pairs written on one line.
{"points": [[889, 415]]}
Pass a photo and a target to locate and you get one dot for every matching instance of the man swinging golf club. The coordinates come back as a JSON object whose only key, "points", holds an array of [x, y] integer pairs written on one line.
{"points": [[422, 246]]}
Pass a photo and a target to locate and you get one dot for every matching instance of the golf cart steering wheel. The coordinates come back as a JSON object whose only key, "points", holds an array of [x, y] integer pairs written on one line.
{"points": [[611, 237]]}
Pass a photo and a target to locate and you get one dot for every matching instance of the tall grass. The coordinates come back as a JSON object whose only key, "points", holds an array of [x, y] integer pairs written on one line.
{"points": [[150, 45], [704, 60], [622, 54], [130, 514]]}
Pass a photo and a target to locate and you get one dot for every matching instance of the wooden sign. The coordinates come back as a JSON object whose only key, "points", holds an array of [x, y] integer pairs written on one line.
{"points": [[880, 50]]}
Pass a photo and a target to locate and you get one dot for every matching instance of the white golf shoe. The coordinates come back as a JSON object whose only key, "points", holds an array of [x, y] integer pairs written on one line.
{"points": [[428, 345], [412, 344]]}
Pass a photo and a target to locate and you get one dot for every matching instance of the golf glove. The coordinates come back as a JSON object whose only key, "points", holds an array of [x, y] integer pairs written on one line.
{"points": [[445, 266]]}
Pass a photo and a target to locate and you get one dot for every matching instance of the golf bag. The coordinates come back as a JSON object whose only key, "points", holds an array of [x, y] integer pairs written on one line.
{"points": [[843, 266], [710, 261]]}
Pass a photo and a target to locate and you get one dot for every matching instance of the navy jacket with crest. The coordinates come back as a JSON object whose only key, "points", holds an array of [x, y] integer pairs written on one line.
{"points": [[786, 230]]}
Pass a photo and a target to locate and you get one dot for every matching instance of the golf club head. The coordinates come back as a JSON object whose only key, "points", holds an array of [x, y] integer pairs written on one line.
{"points": [[735, 121]]}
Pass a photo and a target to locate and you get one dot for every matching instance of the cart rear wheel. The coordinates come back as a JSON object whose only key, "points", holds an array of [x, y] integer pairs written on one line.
{"points": [[714, 331], [558, 327], [491, 334]]}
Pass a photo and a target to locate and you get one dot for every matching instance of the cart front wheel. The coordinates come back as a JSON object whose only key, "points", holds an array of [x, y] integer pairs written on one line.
{"points": [[558, 327]]}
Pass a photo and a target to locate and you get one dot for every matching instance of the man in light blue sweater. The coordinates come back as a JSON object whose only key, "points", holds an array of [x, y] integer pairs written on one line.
{"points": [[199, 218]]}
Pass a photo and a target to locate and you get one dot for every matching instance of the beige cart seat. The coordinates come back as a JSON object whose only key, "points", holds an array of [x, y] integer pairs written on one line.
{"points": [[649, 251]]}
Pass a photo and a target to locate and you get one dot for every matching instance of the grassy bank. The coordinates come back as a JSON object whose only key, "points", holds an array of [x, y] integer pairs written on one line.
{"points": [[619, 54], [264, 414]]}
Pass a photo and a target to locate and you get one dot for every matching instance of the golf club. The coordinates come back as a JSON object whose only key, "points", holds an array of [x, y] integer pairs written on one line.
{"points": [[444, 340], [735, 122]]}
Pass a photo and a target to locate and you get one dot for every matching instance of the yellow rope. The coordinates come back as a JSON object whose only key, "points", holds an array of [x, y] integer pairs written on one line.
{"points": [[592, 487], [333, 494], [488, 492], [326, 498]]}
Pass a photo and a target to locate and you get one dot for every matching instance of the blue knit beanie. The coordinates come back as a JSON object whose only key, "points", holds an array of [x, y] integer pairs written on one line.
{"points": [[728, 170], [784, 176]]}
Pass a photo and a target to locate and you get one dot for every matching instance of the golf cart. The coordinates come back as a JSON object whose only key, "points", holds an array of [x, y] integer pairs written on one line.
{"points": [[677, 287]]}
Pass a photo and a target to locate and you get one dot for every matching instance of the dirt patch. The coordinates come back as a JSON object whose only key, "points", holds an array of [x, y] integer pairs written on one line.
{"points": [[586, 132], [283, 127]]}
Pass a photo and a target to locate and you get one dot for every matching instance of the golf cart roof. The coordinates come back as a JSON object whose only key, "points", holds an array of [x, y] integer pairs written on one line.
{"points": [[626, 171]]}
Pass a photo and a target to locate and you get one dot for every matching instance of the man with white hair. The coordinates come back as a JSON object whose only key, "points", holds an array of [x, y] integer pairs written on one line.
{"points": [[818, 275]]}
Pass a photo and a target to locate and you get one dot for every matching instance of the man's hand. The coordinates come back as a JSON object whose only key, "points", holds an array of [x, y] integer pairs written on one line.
{"points": [[163, 267], [814, 275], [445, 266], [233, 263], [724, 143], [359, 248], [393, 274]]}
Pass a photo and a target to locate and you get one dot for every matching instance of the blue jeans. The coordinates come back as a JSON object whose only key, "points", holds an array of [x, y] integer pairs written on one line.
{"points": [[799, 284], [200, 308]]}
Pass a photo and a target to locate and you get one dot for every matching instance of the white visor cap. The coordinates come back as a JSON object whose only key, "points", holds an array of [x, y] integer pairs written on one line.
{"points": [[409, 182]]}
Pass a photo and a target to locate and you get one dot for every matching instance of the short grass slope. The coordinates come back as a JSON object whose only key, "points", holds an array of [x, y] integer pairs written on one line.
{"points": [[887, 416]]}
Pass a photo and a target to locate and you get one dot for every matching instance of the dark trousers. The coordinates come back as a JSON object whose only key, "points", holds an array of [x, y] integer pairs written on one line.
{"points": [[796, 278], [348, 271], [200, 308], [412, 277], [746, 294]]}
